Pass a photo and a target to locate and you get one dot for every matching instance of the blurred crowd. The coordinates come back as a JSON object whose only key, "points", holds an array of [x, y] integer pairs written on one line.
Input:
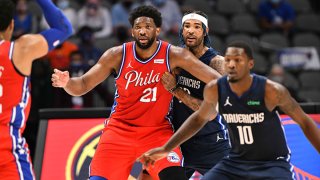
{"points": [[267, 25]]}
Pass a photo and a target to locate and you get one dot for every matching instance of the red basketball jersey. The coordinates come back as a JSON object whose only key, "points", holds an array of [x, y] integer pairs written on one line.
{"points": [[140, 98], [14, 110], [14, 90]]}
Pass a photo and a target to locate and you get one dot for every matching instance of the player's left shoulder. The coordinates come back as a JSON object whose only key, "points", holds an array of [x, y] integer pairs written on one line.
{"points": [[274, 87], [176, 50], [275, 92], [179, 54]]}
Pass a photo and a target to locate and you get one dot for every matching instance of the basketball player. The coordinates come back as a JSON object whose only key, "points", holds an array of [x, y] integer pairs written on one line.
{"points": [[247, 102], [210, 144], [16, 59], [138, 119]]}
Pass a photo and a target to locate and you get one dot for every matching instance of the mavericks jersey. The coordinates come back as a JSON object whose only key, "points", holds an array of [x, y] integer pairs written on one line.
{"points": [[255, 132], [14, 102], [140, 98], [195, 88]]}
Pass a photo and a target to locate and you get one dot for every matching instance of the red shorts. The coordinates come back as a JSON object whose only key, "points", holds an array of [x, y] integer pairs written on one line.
{"points": [[121, 145], [15, 161]]}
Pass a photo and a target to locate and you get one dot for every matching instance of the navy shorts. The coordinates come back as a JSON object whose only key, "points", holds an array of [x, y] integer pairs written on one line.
{"points": [[201, 155], [230, 169]]}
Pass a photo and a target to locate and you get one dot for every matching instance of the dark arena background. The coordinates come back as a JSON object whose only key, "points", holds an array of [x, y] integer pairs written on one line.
{"points": [[62, 138], [67, 140]]}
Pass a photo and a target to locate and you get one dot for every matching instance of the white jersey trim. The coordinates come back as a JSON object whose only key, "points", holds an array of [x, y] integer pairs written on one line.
{"points": [[11, 50], [122, 61], [154, 54], [167, 57]]}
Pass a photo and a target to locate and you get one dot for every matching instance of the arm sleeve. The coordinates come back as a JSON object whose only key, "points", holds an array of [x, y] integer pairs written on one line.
{"points": [[60, 27]]}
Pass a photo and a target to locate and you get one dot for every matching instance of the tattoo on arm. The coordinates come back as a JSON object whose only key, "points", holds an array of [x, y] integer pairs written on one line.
{"points": [[188, 100], [218, 65], [286, 102]]}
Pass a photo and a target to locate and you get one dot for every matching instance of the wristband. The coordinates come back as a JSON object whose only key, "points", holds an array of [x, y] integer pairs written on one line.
{"points": [[174, 88]]}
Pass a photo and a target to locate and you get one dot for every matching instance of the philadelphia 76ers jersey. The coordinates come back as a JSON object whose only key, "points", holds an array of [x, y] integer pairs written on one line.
{"points": [[140, 98], [14, 102]]}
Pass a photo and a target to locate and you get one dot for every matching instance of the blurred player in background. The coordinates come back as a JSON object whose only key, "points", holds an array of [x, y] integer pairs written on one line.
{"points": [[16, 59], [210, 144]]}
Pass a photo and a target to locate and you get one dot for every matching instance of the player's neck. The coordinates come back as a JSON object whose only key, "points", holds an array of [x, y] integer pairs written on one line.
{"points": [[241, 86], [4, 36], [1, 37], [144, 54], [199, 50]]}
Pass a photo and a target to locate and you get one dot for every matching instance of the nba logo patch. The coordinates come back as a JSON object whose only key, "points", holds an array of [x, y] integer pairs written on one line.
{"points": [[158, 61], [173, 157]]}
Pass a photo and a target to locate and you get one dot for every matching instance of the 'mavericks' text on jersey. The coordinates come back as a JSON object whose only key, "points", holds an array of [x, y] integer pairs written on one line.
{"points": [[255, 132], [244, 118]]}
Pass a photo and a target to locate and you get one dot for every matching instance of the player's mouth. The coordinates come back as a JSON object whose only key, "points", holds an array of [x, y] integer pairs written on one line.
{"points": [[143, 40], [191, 39], [232, 73]]}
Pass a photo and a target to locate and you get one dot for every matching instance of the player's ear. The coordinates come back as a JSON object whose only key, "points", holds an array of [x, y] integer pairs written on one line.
{"points": [[251, 63], [158, 30], [11, 26], [207, 31]]}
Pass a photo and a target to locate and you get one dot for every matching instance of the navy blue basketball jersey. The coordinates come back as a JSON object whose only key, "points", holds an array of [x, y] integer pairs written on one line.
{"points": [[255, 132], [195, 88], [212, 138]]}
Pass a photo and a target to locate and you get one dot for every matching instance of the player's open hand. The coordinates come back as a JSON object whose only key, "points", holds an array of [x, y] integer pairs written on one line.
{"points": [[149, 158], [168, 81], [60, 78]]}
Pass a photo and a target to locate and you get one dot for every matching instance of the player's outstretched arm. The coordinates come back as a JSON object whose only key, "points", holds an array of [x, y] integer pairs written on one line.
{"points": [[189, 128], [182, 58], [76, 86], [289, 106], [32, 46]]}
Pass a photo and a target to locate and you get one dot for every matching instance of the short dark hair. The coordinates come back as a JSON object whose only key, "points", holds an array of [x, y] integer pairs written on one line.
{"points": [[243, 45], [147, 11], [6, 13]]}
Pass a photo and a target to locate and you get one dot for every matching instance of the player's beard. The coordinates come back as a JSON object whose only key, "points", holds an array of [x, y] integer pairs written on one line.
{"points": [[232, 80], [198, 42], [146, 46]]}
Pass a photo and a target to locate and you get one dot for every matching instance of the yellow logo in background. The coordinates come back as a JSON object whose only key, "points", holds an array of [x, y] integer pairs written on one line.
{"points": [[83, 149], [81, 154]]}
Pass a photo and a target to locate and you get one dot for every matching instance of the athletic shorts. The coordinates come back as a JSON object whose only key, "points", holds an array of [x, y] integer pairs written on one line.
{"points": [[15, 161], [230, 169], [120, 145], [201, 154]]}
